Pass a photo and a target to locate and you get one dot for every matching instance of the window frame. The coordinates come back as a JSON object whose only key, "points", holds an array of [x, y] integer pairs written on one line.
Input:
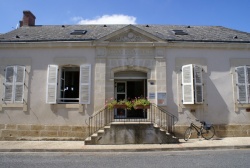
{"points": [[190, 75], [16, 81], [84, 87], [245, 84]]}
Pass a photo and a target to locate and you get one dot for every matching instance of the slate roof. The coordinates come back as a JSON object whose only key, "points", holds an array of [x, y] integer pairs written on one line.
{"points": [[95, 32]]}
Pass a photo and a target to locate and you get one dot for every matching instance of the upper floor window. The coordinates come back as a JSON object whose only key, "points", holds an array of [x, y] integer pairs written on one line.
{"points": [[74, 84], [14, 84], [243, 84], [192, 84]]}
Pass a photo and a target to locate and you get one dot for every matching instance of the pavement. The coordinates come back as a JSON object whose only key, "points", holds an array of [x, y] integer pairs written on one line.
{"points": [[79, 146]]}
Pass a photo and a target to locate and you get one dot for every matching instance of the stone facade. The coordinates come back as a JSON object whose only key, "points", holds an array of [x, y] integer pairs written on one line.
{"points": [[42, 132], [221, 131], [153, 51]]}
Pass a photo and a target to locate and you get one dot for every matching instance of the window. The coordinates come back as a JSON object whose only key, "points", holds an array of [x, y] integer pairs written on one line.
{"points": [[14, 84], [74, 84], [243, 83], [69, 84], [78, 32], [192, 86]]}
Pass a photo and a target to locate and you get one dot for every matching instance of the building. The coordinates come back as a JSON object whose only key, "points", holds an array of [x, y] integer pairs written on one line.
{"points": [[55, 77]]}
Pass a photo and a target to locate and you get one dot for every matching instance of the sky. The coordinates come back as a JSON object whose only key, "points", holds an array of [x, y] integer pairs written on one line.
{"points": [[234, 14]]}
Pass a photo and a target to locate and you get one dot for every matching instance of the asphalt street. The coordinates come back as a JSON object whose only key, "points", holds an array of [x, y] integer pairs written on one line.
{"points": [[172, 159]]}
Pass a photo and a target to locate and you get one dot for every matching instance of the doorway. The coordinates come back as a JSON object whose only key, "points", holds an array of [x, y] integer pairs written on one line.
{"points": [[130, 89]]}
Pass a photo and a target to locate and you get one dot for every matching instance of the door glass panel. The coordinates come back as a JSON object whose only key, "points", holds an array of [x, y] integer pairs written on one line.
{"points": [[120, 95], [121, 88]]}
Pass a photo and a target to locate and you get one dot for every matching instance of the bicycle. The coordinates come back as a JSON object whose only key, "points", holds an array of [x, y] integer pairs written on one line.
{"points": [[207, 131]]}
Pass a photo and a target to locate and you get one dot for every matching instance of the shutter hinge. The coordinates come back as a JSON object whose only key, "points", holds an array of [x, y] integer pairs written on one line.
{"points": [[181, 84]]}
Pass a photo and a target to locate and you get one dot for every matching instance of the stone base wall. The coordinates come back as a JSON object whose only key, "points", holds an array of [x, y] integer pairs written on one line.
{"points": [[221, 131], [15, 132]]}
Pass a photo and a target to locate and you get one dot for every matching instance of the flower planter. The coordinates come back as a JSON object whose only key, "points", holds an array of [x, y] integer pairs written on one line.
{"points": [[142, 107], [120, 106]]}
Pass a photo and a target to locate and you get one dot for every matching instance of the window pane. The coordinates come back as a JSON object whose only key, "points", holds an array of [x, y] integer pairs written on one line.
{"points": [[120, 87]]}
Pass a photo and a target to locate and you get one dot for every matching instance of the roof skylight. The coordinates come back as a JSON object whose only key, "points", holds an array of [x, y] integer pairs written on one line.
{"points": [[179, 32], [78, 32]]}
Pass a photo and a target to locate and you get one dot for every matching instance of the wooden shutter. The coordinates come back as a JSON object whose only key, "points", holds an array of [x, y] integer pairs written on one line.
{"points": [[187, 84], [51, 90], [9, 83], [242, 84], [19, 84], [198, 84], [85, 84], [248, 83]]}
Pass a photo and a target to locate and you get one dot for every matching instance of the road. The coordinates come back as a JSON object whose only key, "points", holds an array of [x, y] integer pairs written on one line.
{"points": [[183, 159]]}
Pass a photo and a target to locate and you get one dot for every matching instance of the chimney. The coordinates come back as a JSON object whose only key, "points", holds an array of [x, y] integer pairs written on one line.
{"points": [[28, 19]]}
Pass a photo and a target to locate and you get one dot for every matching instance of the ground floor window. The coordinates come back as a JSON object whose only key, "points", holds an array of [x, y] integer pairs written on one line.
{"points": [[69, 81], [71, 85], [14, 84]]}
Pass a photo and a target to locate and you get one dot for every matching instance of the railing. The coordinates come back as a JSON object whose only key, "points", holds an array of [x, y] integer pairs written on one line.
{"points": [[155, 115]]}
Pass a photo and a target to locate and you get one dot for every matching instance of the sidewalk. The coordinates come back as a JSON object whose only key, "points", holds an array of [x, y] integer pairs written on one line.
{"points": [[78, 146]]}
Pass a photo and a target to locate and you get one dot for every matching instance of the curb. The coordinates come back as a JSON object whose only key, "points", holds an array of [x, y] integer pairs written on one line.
{"points": [[128, 150]]}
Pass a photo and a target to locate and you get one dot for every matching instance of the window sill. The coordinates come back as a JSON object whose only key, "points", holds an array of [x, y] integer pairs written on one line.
{"points": [[24, 106], [68, 106], [244, 105], [12, 105]]}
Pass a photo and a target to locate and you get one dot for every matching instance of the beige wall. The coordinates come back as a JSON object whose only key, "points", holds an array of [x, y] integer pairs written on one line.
{"points": [[162, 65], [36, 60]]}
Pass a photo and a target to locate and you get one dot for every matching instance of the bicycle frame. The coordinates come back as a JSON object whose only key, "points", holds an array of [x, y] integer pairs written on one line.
{"points": [[198, 129]]}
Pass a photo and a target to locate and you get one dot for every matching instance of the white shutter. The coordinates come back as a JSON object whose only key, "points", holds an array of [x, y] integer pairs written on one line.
{"points": [[19, 83], [187, 84], [248, 83], [9, 84], [85, 84], [198, 85], [242, 84], [51, 90]]}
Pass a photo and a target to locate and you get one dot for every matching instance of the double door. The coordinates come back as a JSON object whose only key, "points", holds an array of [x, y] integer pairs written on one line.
{"points": [[129, 90]]}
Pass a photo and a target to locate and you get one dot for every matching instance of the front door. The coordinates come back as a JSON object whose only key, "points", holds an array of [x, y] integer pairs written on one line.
{"points": [[130, 90]]}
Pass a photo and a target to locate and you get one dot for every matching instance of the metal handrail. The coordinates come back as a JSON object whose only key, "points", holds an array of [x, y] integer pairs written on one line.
{"points": [[155, 115]]}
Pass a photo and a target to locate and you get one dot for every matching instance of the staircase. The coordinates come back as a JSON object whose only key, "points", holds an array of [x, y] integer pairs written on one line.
{"points": [[157, 128]]}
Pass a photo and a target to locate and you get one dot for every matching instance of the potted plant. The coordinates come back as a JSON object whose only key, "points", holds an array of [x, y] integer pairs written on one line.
{"points": [[141, 103], [121, 104], [110, 103]]}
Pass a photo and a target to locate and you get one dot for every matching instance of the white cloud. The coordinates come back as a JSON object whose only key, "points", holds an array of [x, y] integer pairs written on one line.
{"points": [[107, 19]]}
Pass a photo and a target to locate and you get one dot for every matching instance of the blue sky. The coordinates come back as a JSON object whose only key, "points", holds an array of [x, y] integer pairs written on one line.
{"points": [[233, 14]]}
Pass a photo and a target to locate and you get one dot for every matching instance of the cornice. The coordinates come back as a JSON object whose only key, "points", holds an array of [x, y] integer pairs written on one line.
{"points": [[61, 44], [209, 45]]}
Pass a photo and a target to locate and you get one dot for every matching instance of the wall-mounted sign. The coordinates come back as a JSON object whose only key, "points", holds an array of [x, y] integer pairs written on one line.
{"points": [[161, 99], [151, 96]]}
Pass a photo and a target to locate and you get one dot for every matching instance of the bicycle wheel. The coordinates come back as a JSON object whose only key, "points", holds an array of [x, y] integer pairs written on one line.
{"points": [[208, 133], [188, 134]]}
